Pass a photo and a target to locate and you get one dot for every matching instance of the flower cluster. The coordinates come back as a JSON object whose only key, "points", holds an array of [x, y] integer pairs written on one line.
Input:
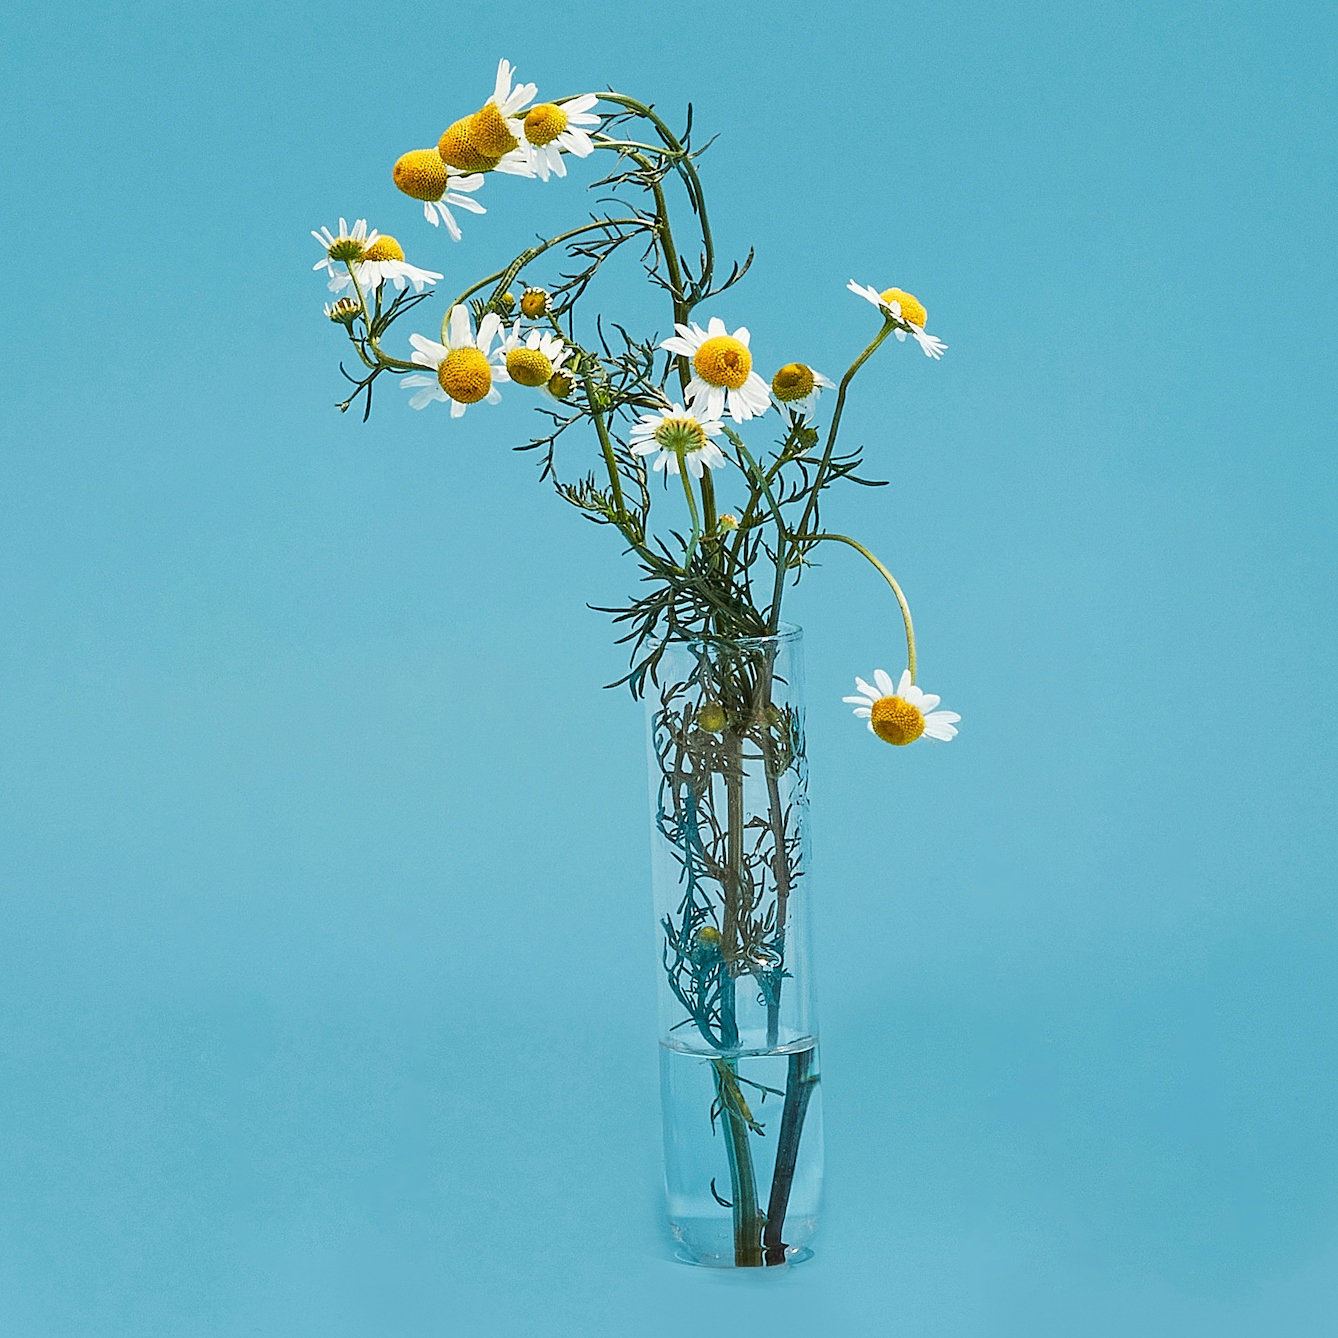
{"points": [[510, 133], [674, 407]]}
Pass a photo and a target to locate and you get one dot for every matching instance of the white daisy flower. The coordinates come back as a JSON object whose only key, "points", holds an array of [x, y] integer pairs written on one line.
{"points": [[677, 433], [723, 379], [905, 309], [796, 387], [534, 360], [552, 127], [348, 246], [900, 714], [421, 175], [383, 262], [493, 138], [466, 366]]}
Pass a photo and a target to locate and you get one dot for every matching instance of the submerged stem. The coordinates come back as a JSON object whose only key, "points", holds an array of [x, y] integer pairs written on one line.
{"points": [[743, 1178], [799, 1084]]}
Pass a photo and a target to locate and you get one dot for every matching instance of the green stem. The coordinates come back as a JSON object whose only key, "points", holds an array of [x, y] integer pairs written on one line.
{"points": [[683, 164], [743, 1179], [528, 256], [799, 1084], [891, 580], [692, 505], [819, 478], [760, 480]]}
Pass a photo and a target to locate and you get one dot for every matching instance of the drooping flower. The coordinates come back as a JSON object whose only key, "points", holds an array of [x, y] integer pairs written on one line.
{"points": [[422, 175], [723, 379], [676, 435], [535, 359], [467, 368], [493, 138], [905, 309], [900, 714], [552, 127], [797, 387]]}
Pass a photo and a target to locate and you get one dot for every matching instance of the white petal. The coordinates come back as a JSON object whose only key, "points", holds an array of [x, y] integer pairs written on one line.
{"points": [[904, 683], [860, 701], [457, 409], [715, 326], [927, 702], [458, 332], [870, 692], [884, 681], [861, 712]]}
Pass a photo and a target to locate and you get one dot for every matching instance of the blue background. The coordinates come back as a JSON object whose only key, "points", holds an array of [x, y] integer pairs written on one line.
{"points": [[328, 996]]}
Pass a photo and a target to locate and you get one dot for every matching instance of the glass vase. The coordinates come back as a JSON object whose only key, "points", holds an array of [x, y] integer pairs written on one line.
{"points": [[738, 1028]]}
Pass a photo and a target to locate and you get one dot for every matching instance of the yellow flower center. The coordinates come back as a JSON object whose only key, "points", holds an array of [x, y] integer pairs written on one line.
{"points": [[529, 367], [384, 248], [456, 148], [346, 248], [420, 174], [544, 123], [488, 132], [723, 361], [533, 303], [560, 386], [793, 382], [895, 720], [911, 310], [680, 434], [464, 375]]}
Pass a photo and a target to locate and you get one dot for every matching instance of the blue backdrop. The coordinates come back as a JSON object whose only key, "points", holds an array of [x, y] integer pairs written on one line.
{"points": [[327, 956]]}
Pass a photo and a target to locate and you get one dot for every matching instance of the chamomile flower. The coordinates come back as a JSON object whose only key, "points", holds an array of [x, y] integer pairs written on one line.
{"points": [[550, 128], [900, 714], [421, 175], [383, 262], [346, 247], [467, 368], [678, 435], [493, 138], [535, 359], [908, 311], [796, 387], [723, 380]]}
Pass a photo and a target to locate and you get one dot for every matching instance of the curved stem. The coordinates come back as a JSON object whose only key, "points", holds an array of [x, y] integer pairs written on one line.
{"points": [[891, 580], [820, 477], [530, 254], [692, 506], [684, 165]]}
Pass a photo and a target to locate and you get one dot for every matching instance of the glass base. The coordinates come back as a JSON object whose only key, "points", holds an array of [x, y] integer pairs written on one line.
{"points": [[723, 1257]]}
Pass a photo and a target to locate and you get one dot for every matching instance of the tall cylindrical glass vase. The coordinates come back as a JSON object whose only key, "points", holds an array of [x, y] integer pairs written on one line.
{"points": [[738, 1026]]}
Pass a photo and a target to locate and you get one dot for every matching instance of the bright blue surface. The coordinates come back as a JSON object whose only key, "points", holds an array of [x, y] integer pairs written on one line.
{"points": [[327, 954]]}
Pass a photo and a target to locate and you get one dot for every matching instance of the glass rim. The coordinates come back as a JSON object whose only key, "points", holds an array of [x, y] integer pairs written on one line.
{"points": [[784, 633]]}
